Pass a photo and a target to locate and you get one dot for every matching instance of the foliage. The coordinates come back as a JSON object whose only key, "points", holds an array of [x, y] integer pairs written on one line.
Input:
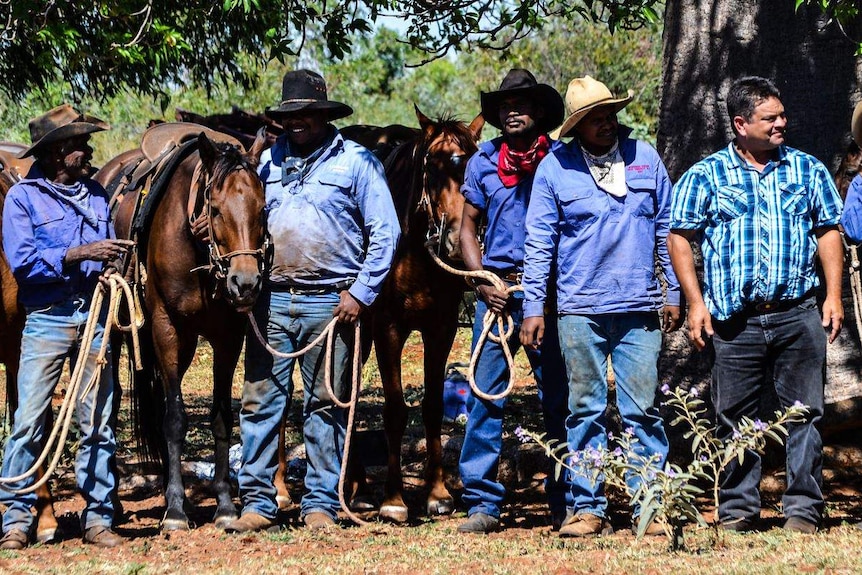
{"points": [[844, 12], [154, 46], [667, 494]]}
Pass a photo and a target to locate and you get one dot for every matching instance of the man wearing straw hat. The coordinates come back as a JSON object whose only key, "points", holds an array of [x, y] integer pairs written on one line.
{"points": [[851, 218], [497, 187], [599, 213], [334, 232], [760, 211], [58, 238]]}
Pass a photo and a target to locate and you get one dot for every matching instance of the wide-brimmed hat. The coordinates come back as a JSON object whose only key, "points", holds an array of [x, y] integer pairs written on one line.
{"points": [[584, 94], [521, 82], [856, 124], [306, 90], [60, 123]]}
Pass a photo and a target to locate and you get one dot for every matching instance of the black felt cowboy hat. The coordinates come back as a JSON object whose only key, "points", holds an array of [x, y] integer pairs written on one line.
{"points": [[306, 90], [60, 123], [521, 82]]}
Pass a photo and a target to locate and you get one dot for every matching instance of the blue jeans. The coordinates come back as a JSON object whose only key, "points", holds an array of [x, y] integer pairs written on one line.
{"points": [[51, 335], [290, 322], [632, 340], [483, 438], [786, 350]]}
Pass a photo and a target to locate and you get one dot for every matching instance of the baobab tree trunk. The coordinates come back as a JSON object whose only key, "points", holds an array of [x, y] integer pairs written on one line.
{"points": [[709, 44]]}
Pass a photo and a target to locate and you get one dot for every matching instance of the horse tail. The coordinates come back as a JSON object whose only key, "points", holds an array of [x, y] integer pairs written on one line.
{"points": [[148, 403]]}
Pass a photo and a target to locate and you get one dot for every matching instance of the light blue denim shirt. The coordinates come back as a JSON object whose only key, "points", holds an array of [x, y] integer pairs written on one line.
{"points": [[335, 224], [851, 218], [605, 247], [38, 229]]}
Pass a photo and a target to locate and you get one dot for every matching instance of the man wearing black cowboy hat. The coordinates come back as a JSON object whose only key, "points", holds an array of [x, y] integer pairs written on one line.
{"points": [[58, 239], [334, 232], [497, 189]]}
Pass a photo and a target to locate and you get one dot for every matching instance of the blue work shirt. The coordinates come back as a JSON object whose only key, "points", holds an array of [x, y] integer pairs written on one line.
{"points": [[38, 229], [756, 228], [504, 208], [605, 247], [851, 219], [336, 224]]}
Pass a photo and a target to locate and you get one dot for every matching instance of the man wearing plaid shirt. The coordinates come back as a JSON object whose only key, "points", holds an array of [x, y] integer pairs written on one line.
{"points": [[760, 212]]}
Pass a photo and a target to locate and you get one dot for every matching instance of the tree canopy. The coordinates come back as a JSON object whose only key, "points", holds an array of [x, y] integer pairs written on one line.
{"points": [[151, 46]]}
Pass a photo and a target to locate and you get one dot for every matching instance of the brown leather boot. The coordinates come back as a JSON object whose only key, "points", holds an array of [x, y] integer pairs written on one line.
{"points": [[248, 523], [585, 525], [102, 536], [317, 520], [14, 539]]}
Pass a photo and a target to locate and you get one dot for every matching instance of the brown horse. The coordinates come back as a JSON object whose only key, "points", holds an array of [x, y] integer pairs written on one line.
{"points": [[425, 177], [12, 326], [193, 291], [847, 170]]}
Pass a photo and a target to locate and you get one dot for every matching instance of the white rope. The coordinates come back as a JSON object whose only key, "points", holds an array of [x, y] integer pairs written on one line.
{"points": [[854, 266], [119, 288]]}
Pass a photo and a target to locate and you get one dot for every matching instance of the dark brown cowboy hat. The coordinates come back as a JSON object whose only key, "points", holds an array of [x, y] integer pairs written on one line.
{"points": [[521, 82], [60, 123], [306, 90]]}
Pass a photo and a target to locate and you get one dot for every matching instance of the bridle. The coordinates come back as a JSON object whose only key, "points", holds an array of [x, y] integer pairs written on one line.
{"points": [[219, 262], [435, 227]]}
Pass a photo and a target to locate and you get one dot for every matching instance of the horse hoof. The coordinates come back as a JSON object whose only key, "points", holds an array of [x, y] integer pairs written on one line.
{"points": [[46, 536], [395, 513], [222, 521], [441, 507], [283, 502], [362, 503], [175, 525]]}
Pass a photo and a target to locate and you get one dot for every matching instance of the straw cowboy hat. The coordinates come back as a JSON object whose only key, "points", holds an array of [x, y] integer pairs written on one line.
{"points": [[584, 94], [303, 90], [856, 124], [60, 123], [521, 82]]}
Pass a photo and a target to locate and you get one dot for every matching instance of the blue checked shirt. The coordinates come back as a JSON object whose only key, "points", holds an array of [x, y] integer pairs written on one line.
{"points": [[756, 229]]}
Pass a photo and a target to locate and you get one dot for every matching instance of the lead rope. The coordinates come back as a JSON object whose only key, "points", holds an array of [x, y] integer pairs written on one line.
{"points": [[350, 406], [505, 324], [119, 288], [854, 266]]}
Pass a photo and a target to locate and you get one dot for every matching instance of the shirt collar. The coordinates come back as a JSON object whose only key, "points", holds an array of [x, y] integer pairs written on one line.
{"points": [[739, 162]]}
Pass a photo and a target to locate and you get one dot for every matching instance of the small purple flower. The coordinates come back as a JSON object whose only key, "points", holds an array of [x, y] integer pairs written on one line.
{"points": [[693, 392], [671, 473], [703, 458], [798, 404], [736, 434], [523, 435], [630, 430], [759, 425], [618, 451], [665, 389]]}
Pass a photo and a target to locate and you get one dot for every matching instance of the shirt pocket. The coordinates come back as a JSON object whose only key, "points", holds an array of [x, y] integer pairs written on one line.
{"points": [[51, 230], [794, 199], [732, 203], [641, 197], [334, 193], [579, 205]]}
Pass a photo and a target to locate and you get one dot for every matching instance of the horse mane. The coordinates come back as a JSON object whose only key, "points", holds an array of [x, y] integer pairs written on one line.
{"points": [[228, 159]]}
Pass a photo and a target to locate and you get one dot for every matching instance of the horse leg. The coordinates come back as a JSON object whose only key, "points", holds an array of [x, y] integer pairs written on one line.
{"points": [[437, 348], [388, 347], [174, 352], [282, 497], [225, 357]]}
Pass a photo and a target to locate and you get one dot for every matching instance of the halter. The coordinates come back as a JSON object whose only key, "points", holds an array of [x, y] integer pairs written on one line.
{"points": [[219, 263], [435, 228]]}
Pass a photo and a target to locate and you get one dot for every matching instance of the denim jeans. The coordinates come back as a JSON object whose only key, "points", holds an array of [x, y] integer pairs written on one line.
{"points": [[292, 321], [483, 438], [51, 335], [632, 340], [786, 350]]}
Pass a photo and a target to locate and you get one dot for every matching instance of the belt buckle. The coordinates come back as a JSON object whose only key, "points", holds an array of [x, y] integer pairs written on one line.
{"points": [[766, 306]]}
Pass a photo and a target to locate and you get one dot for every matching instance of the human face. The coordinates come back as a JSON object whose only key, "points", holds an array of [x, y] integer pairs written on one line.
{"points": [[518, 115], [764, 130], [597, 131], [306, 130], [72, 158]]}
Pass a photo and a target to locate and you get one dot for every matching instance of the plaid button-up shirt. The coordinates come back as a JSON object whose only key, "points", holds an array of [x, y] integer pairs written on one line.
{"points": [[756, 229]]}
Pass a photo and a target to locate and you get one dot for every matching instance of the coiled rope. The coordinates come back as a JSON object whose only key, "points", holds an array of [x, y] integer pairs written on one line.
{"points": [[855, 269], [57, 439]]}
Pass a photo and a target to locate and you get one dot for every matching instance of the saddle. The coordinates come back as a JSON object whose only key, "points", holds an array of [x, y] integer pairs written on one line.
{"points": [[10, 162]]}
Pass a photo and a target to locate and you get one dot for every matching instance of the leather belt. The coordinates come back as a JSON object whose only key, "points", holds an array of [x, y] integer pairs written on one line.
{"points": [[513, 277], [774, 306], [295, 289]]}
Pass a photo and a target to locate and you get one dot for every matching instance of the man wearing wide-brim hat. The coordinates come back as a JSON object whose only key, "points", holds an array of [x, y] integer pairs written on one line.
{"points": [[497, 186], [59, 243], [851, 217], [599, 215], [334, 233]]}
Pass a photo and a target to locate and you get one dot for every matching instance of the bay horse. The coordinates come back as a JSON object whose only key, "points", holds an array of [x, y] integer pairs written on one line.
{"points": [[12, 318], [193, 291], [425, 176]]}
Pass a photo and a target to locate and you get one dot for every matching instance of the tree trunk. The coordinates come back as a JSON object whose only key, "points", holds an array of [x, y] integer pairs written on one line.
{"points": [[709, 44]]}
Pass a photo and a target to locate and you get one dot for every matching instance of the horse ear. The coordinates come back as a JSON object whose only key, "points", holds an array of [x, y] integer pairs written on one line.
{"points": [[257, 147], [426, 123], [207, 151], [476, 126]]}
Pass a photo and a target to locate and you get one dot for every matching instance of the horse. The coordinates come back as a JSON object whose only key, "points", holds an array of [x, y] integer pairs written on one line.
{"points": [[12, 318], [193, 291], [425, 176], [848, 169]]}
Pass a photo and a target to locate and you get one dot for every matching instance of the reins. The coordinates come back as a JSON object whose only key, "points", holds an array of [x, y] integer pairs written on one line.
{"points": [[854, 267], [119, 289], [329, 334]]}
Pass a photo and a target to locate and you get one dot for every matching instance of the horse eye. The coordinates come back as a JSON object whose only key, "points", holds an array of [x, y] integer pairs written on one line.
{"points": [[457, 159]]}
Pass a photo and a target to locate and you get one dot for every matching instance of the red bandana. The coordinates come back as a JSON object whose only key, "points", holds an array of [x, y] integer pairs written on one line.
{"points": [[514, 166]]}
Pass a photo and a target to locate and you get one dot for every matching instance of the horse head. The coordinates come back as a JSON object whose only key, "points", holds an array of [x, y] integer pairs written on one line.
{"points": [[445, 146], [235, 211], [847, 170]]}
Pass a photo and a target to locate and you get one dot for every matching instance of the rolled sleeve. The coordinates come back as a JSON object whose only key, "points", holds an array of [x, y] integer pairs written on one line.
{"points": [[472, 186], [688, 203], [827, 201]]}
